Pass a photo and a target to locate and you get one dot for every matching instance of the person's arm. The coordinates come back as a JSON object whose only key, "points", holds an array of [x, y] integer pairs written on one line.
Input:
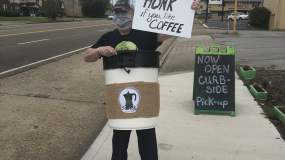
{"points": [[93, 54]]}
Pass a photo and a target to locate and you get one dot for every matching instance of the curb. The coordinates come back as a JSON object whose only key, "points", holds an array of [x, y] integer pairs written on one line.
{"points": [[39, 63], [168, 50], [98, 143], [204, 25], [207, 27]]}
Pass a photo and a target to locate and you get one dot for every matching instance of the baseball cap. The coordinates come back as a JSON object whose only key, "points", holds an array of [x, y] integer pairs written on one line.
{"points": [[123, 5]]}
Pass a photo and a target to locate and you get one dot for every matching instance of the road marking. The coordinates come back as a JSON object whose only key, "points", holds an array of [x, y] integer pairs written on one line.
{"points": [[51, 30], [31, 65], [102, 30], [33, 41]]}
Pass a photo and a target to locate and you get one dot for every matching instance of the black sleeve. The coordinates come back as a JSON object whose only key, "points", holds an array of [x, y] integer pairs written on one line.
{"points": [[156, 42], [100, 42]]}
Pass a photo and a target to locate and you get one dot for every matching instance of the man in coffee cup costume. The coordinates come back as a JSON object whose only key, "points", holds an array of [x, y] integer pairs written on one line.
{"points": [[126, 38]]}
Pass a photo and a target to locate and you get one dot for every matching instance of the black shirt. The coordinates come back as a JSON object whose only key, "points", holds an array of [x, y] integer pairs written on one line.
{"points": [[146, 41]]}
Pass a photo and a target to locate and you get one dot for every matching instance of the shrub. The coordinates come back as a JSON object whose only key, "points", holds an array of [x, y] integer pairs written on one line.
{"points": [[95, 8], [259, 17], [52, 8]]}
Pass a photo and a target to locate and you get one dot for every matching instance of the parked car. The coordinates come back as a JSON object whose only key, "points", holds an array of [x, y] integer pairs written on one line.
{"points": [[240, 16], [111, 17]]}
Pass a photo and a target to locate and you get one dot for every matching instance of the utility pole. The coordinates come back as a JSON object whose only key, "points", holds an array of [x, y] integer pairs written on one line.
{"points": [[13, 3], [235, 18], [223, 10], [73, 10], [207, 10]]}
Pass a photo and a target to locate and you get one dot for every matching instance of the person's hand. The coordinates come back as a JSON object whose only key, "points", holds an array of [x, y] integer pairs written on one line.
{"points": [[195, 5], [93, 54], [106, 51]]}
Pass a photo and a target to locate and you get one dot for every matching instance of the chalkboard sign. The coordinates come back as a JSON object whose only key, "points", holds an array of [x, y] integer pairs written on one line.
{"points": [[214, 80]]}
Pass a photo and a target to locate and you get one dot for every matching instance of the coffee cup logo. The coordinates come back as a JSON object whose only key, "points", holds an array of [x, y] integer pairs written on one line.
{"points": [[129, 100]]}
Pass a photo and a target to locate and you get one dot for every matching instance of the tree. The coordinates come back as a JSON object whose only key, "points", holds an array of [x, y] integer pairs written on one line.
{"points": [[52, 8], [95, 8], [259, 17]]}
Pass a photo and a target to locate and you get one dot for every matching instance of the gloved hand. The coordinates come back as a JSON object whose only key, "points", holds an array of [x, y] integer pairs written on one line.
{"points": [[195, 5], [93, 54]]}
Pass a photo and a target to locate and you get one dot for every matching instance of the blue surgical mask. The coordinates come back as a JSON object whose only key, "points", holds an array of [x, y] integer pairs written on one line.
{"points": [[123, 21]]}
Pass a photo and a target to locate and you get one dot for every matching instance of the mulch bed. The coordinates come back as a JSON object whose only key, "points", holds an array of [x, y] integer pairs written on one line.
{"points": [[282, 109], [273, 81]]}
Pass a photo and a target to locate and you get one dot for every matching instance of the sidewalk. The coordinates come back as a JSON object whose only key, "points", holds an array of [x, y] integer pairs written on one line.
{"points": [[183, 136]]}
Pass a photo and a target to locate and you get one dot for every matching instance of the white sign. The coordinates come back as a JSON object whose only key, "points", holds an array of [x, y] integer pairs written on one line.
{"points": [[171, 17], [215, 1], [129, 99]]}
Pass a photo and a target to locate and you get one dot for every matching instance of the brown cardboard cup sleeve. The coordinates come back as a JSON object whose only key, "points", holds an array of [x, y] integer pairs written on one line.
{"points": [[132, 100]]}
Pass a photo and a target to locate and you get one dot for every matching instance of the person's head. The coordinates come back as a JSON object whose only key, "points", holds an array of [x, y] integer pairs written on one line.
{"points": [[123, 15]]}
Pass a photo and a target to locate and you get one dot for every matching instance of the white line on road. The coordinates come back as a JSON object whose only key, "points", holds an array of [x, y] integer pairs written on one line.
{"points": [[31, 65], [33, 41], [103, 30], [53, 30]]}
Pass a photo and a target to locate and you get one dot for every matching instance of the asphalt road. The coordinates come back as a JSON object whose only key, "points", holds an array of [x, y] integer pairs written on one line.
{"points": [[256, 48], [24, 44], [241, 24]]}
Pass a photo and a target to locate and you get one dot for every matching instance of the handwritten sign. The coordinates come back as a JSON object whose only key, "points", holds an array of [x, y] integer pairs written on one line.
{"points": [[214, 83], [171, 17]]}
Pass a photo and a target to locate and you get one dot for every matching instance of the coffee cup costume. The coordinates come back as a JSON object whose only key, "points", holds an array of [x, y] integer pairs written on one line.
{"points": [[132, 89], [131, 76]]}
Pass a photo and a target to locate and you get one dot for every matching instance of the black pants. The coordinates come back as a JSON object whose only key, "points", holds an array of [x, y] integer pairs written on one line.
{"points": [[146, 142]]}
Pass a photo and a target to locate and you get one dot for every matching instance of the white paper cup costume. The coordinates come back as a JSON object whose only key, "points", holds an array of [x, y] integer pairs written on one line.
{"points": [[132, 89]]}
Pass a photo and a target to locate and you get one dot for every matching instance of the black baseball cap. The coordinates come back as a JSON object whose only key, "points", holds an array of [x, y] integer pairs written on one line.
{"points": [[123, 5]]}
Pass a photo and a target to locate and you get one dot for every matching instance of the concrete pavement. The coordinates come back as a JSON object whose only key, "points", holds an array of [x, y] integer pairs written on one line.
{"points": [[184, 136], [183, 59], [53, 112]]}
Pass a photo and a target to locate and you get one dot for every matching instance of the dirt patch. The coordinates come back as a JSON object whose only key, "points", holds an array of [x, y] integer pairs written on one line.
{"points": [[258, 88], [274, 82], [246, 68]]}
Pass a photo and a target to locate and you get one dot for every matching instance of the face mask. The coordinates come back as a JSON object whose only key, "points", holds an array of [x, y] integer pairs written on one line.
{"points": [[123, 21]]}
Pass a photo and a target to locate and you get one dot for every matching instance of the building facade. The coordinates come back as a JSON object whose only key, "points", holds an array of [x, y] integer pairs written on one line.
{"points": [[72, 8], [243, 6], [20, 7], [277, 18]]}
